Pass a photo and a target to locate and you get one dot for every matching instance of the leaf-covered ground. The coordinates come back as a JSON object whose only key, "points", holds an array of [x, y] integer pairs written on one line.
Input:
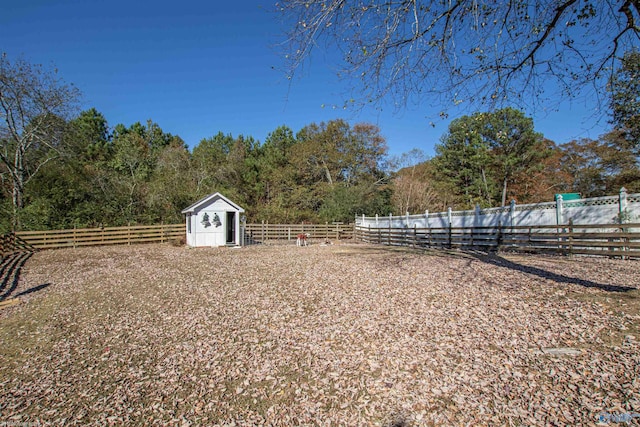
{"points": [[336, 335]]}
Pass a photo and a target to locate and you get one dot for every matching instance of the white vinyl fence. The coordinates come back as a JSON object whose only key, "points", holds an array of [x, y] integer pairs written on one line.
{"points": [[623, 208]]}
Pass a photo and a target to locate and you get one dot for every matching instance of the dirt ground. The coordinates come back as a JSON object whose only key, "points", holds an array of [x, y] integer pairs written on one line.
{"points": [[337, 335]]}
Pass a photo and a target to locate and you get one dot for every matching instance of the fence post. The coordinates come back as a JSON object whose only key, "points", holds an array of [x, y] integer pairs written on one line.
{"points": [[415, 236], [476, 216], [625, 239], [426, 216], [389, 235], [622, 218], [74, 236], [512, 213], [450, 224], [407, 224], [622, 205], [499, 237], [404, 235], [559, 219], [570, 237]]}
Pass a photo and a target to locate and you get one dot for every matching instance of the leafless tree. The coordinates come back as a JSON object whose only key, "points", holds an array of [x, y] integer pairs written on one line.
{"points": [[33, 105], [477, 52]]}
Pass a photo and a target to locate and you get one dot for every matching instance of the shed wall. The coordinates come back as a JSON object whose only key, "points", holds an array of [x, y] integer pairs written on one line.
{"points": [[213, 231]]}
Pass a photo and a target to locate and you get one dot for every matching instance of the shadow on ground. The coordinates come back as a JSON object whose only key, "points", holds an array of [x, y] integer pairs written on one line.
{"points": [[497, 260], [10, 269], [490, 258]]}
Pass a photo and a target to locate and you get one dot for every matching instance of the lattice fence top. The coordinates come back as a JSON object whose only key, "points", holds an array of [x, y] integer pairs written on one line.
{"points": [[462, 213], [493, 211], [591, 202], [633, 198], [536, 206], [601, 210]]}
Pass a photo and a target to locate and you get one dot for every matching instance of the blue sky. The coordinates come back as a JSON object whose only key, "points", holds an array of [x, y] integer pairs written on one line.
{"points": [[197, 68]]}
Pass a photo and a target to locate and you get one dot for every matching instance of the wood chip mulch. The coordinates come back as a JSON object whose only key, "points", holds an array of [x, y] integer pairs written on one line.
{"points": [[336, 335]]}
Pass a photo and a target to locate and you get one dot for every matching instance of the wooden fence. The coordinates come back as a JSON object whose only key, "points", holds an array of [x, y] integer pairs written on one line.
{"points": [[603, 239], [73, 238], [128, 235], [265, 232]]}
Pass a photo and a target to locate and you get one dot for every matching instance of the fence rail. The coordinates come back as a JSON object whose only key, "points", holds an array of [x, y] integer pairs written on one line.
{"points": [[128, 235], [262, 233], [600, 239]]}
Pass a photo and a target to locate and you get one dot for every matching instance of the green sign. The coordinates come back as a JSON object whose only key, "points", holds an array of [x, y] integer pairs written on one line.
{"points": [[568, 196]]}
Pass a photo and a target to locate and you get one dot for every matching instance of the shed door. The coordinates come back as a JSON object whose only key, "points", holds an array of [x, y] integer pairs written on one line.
{"points": [[231, 227]]}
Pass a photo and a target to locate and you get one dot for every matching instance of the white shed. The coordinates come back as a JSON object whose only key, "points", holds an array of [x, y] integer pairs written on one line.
{"points": [[213, 221]]}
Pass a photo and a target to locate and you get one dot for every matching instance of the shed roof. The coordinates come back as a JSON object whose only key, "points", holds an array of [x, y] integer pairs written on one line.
{"points": [[211, 197]]}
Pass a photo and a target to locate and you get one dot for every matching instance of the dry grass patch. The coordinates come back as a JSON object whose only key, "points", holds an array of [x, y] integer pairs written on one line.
{"points": [[322, 335]]}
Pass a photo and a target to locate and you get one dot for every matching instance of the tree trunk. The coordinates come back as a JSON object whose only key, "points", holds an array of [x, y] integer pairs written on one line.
{"points": [[504, 192], [413, 170], [18, 204], [18, 179], [486, 187], [327, 172]]}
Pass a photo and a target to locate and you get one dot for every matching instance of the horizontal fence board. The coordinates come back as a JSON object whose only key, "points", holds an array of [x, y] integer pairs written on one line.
{"points": [[596, 239], [124, 235], [259, 233], [52, 239], [613, 240]]}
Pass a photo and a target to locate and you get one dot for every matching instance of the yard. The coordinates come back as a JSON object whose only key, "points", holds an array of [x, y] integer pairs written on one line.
{"points": [[349, 334]]}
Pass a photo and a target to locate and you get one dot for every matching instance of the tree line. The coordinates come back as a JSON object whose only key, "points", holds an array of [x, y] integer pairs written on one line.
{"points": [[140, 174], [60, 170], [469, 170]]}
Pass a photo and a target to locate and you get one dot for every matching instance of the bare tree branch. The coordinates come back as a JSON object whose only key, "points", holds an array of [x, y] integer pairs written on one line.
{"points": [[560, 10], [474, 51]]}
